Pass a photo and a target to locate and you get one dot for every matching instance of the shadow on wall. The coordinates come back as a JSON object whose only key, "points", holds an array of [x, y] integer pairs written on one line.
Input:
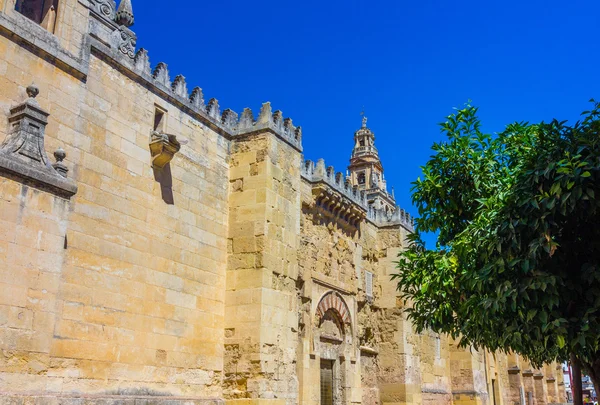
{"points": [[165, 179]]}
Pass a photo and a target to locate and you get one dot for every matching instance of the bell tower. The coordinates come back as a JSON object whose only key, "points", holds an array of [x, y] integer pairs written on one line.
{"points": [[366, 171]]}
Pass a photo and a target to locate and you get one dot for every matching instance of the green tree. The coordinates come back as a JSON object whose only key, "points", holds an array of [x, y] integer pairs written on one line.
{"points": [[518, 222]]}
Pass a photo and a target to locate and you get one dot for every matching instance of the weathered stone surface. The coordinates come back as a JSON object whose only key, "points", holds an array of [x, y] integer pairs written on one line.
{"points": [[229, 274]]}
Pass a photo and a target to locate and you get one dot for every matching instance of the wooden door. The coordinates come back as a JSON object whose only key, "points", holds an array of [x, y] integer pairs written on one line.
{"points": [[326, 382]]}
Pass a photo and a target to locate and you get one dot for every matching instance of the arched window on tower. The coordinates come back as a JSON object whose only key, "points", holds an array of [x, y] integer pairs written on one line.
{"points": [[362, 178], [42, 12]]}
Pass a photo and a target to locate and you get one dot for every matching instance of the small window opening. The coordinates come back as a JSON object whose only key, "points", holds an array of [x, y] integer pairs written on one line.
{"points": [[362, 142], [160, 119], [42, 12], [369, 284], [361, 178]]}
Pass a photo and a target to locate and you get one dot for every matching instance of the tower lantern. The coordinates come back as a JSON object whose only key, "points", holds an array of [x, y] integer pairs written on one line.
{"points": [[366, 170]]}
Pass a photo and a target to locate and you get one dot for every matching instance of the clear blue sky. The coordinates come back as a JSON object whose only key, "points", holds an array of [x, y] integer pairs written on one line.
{"points": [[407, 62]]}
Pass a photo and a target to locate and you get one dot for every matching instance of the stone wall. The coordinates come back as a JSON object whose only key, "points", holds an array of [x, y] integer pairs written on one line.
{"points": [[121, 289], [262, 313], [185, 253]]}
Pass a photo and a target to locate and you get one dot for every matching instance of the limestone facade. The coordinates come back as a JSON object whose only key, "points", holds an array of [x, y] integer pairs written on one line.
{"points": [[173, 253]]}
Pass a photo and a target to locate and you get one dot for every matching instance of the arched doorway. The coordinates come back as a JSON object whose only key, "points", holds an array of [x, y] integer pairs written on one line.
{"points": [[333, 343]]}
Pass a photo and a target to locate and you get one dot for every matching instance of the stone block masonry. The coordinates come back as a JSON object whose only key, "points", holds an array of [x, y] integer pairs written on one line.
{"points": [[155, 250]]}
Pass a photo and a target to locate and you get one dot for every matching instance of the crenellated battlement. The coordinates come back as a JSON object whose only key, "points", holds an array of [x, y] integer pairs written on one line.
{"points": [[122, 40], [399, 217], [320, 173], [233, 123], [315, 173], [267, 120]]}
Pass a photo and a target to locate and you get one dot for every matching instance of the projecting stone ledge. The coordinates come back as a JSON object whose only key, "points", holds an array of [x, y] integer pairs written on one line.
{"points": [[99, 399]]}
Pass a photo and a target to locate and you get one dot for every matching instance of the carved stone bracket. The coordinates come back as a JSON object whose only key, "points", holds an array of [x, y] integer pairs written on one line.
{"points": [[162, 148], [22, 154]]}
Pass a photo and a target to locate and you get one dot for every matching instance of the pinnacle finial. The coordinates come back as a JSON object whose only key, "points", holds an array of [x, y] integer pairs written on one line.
{"points": [[59, 166], [124, 14], [364, 118], [32, 90]]}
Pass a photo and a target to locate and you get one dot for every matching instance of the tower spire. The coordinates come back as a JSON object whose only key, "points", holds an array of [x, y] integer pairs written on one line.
{"points": [[366, 170]]}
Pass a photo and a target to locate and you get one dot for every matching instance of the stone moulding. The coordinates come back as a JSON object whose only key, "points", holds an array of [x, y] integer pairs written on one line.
{"points": [[332, 300], [22, 154]]}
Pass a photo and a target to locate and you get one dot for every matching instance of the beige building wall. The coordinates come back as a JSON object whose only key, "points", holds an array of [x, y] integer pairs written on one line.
{"points": [[261, 317], [218, 267], [115, 290]]}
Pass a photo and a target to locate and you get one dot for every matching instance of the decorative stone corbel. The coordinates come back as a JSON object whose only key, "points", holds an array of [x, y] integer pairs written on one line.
{"points": [[162, 148], [22, 154]]}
